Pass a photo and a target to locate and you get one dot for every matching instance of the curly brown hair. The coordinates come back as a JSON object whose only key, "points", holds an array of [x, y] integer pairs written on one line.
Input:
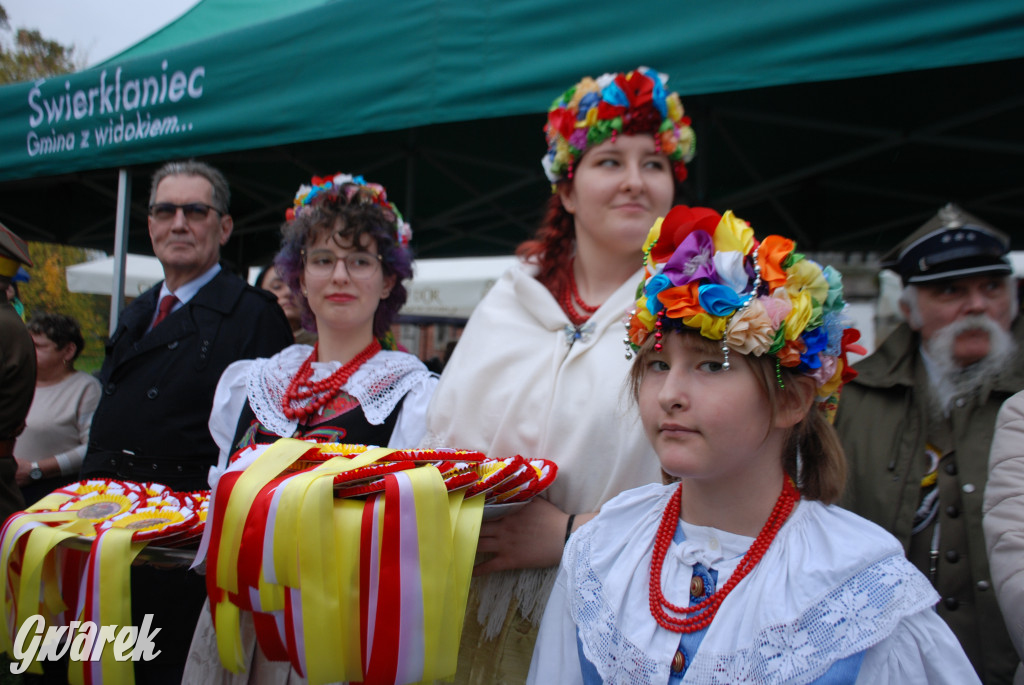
{"points": [[347, 222]]}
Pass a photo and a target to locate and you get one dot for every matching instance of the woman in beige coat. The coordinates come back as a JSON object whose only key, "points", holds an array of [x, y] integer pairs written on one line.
{"points": [[1004, 519]]}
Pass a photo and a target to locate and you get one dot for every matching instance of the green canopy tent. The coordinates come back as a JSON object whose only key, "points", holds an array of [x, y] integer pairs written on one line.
{"points": [[844, 123]]}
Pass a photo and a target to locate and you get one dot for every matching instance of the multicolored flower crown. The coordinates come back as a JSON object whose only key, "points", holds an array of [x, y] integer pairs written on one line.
{"points": [[707, 271], [592, 111], [354, 189]]}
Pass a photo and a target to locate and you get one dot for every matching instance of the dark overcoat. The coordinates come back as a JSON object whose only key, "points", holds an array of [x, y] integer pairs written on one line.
{"points": [[152, 420]]}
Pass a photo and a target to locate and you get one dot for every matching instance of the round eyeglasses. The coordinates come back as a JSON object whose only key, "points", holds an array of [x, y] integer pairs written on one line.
{"points": [[358, 265]]}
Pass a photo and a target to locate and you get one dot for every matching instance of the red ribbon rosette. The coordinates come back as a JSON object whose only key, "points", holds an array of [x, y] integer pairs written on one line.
{"points": [[162, 523], [199, 502], [98, 501], [542, 474], [495, 472], [457, 468], [368, 479]]}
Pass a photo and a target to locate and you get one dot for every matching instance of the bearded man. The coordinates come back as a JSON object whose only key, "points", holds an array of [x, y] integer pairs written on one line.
{"points": [[917, 423]]}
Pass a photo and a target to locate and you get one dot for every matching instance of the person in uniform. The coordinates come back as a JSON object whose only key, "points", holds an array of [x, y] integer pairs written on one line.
{"points": [[17, 371], [917, 423]]}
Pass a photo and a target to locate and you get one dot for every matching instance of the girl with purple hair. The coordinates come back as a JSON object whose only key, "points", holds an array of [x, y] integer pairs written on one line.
{"points": [[344, 253]]}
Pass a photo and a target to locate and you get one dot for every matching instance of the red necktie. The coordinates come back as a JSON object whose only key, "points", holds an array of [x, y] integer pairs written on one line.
{"points": [[166, 305]]}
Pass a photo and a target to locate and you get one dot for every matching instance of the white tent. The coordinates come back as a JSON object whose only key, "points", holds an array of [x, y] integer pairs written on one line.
{"points": [[97, 276], [451, 288], [448, 288]]}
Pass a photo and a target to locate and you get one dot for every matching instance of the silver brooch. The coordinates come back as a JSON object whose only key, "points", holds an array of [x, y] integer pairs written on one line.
{"points": [[581, 332]]}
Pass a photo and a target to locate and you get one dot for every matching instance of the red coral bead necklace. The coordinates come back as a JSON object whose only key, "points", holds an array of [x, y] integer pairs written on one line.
{"points": [[704, 612], [570, 298], [322, 391]]}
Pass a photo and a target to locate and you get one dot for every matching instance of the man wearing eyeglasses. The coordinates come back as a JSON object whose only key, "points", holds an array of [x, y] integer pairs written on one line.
{"points": [[161, 369]]}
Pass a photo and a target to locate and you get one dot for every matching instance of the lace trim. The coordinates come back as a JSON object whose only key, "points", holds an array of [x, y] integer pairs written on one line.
{"points": [[379, 384], [616, 659], [846, 620]]}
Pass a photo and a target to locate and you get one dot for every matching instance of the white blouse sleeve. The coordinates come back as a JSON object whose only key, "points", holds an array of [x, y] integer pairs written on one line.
{"points": [[922, 650], [228, 402], [412, 417], [555, 654], [70, 462]]}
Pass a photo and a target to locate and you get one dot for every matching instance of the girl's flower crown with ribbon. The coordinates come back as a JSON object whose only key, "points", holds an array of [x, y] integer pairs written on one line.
{"points": [[594, 110], [354, 190], [708, 272]]}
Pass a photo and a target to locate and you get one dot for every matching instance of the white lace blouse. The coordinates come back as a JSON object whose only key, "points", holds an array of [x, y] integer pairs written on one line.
{"points": [[832, 585]]}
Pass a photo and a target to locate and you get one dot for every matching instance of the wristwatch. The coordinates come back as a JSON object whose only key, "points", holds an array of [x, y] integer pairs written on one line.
{"points": [[35, 473]]}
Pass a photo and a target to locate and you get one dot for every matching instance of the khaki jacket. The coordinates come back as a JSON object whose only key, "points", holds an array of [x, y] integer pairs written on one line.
{"points": [[17, 386], [1004, 518], [882, 422]]}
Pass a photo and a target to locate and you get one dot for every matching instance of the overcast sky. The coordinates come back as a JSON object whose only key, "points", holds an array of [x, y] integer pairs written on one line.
{"points": [[97, 28]]}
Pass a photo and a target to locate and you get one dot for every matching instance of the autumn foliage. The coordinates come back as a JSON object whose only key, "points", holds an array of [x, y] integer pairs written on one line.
{"points": [[47, 291]]}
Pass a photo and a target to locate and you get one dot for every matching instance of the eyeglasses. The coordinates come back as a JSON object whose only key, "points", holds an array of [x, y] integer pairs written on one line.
{"points": [[358, 265], [194, 211]]}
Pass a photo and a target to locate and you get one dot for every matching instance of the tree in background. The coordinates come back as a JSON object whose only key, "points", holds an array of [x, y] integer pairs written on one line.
{"points": [[26, 55], [47, 291]]}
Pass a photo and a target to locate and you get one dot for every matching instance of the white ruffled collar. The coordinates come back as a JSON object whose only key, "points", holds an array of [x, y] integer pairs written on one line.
{"points": [[379, 384]]}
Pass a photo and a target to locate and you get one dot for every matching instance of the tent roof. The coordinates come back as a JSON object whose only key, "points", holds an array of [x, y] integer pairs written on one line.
{"points": [[208, 19], [342, 69], [443, 101]]}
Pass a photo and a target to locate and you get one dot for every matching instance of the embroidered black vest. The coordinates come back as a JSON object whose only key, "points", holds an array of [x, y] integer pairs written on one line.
{"points": [[344, 422]]}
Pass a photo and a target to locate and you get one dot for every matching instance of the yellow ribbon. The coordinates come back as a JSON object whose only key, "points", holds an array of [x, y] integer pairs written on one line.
{"points": [[287, 529], [41, 542], [434, 538], [25, 586], [267, 467], [117, 553], [348, 514], [229, 636], [39, 563], [51, 501], [264, 469], [466, 516], [305, 525], [321, 535], [321, 605]]}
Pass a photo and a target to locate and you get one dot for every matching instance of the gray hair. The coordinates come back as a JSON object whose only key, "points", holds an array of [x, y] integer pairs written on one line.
{"points": [[221, 196], [908, 298]]}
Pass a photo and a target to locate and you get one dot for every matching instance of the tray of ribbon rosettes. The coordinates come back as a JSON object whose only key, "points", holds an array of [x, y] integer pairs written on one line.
{"points": [[67, 557], [353, 563], [512, 481]]}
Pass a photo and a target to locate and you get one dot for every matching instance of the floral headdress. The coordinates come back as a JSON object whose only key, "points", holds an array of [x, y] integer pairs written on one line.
{"points": [[353, 189], [707, 271], [594, 110]]}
